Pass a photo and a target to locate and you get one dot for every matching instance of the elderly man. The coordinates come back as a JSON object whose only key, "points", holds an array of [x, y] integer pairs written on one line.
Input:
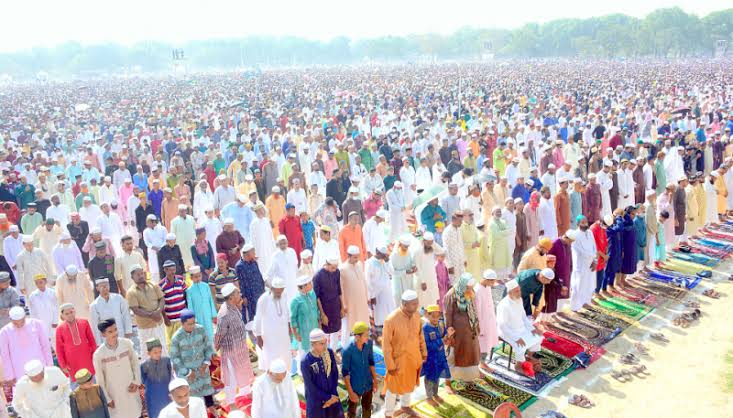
{"points": [[21, 341], [42, 392], [147, 302], [242, 215], [532, 283], [404, 353], [66, 253], [184, 402], [230, 339], [320, 378], [536, 257], [272, 324], [109, 306], [101, 266], [75, 288], [517, 330], [128, 257], [75, 343], [31, 261], [284, 265], [171, 251], [274, 394], [424, 258], [455, 258], [118, 372]]}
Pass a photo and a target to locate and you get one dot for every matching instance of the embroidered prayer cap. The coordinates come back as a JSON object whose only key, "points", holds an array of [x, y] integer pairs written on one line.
{"points": [[317, 335], [608, 220], [545, 243], [16, 313], [278, 283], [353, 250], [397, 185], [152, 343], [27, 239], [101, 280], [242, 197], [382, 213], [432, 308], [228, 221], [194, 269], [548, 273], [65, 235], [306, 254], [353, 213], [275, 189], [177, 383], [511, 285], [281, 238], [13, 228], [228, 289], [169, 263], [409, 295], [4, 276], [489, 274], [303, 280], [428, 236], [187, 314], [359, 328], [136, 267], [405, 239], [170, 237], [66, 306], [382, 249], [100, 245], [571, 234], [671, 185], [277, 366], [33, 368], [82, 376], [182, 207], [247, 248], [151, 217]]}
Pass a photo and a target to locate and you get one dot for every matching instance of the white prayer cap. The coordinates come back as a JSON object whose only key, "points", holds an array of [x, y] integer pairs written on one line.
{"points": [[306, 254], [405, 239], [317, 335], [65, 235], [428, 236], [608, 220], [65, 306], [27, 239], [182, 207], [281, 238], [177, 383], [571, 234], [471, 281], [222, 177], [275, 189], [33, 368], [382, 249], [489, 274], [242, 197], [229, 221], [95, 230], [228, 289], [353, 189], [352, 250], [303, 280], [135, 267], [529, 182], [591, 176], [397, 185], [17, 313], [681, 178], [151, 217], [277, 366], [248, 177], [278, 283], [13, 228], [607, 163], [248, 247], [409, 295], [333, 260], [650, 192], [128, 180], [511, 285], [548, 273], [382, 213], [194, 269], [170, 237], [551, 166], [671, 185], [71, 269]]}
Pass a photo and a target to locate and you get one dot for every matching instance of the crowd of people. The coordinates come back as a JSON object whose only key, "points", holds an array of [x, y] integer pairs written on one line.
{"points": [[291, 222]]}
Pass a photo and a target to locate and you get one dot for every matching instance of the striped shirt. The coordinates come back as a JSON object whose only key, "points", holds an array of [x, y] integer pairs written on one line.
{"points": [[174, 293], [219, 279]]}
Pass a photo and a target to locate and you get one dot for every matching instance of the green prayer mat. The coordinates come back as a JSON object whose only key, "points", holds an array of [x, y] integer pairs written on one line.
{"points": [[454, 407], [624, 307], [553, 364], [600, 316]]}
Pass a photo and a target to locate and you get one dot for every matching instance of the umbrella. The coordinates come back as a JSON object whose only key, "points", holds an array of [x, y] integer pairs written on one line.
{"points": [[428, 195]]}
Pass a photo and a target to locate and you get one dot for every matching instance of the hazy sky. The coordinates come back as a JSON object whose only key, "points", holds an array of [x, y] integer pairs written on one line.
{"points": [[31, 23]]}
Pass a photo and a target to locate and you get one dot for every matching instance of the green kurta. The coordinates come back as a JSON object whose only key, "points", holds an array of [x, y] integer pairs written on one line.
{"points": [[304, 317], [29, 223], [470, 235], [185, 230], [661, 177], [188, 352], [498, 249]]}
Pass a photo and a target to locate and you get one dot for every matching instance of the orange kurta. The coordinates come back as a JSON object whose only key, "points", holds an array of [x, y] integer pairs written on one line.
{"points": [[276, 209], [168, 211], [562, 212], [404, 350], [351, 235]]}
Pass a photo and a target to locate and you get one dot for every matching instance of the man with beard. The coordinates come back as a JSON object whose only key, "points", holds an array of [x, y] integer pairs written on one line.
{"points": [[517, 330], [424, 259], [229, 242]]}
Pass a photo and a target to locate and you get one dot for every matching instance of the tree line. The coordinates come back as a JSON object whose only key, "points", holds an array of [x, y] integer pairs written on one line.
{"points": [[664, 33]]}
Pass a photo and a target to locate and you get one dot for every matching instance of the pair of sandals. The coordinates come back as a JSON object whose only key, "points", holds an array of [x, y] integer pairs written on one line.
{"points": [[687, 318], [629, 359], [624, 376], [639, 347], [581, 401], [659, 337], [692, 304], [552, 414], [711, 293]]}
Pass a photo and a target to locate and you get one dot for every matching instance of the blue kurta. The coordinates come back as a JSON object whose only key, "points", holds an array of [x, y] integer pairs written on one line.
{"points": [[319, 387], [630, 248], [156, 392], [436, 365], [640, 226], [251, 285], [198, 299]]}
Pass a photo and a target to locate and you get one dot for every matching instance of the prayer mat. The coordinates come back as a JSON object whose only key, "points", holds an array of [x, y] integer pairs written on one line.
{"points": [[535, 386], [637, 295], [594, 352], [516, 396], [663, 289], [553, 364], [454, 407], [379, 366], [591, 313], [585, 332], [561, 346], [624, 307]]}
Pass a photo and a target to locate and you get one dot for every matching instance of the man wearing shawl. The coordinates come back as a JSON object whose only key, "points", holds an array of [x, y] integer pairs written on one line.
{"points": [[584, 261], [320, 378], [517, 330], [274, 394], [75, 343], [404, 353], [199, 300], [558, 288], [203, 254], [462, 323], [230, 339], [190, 354]]}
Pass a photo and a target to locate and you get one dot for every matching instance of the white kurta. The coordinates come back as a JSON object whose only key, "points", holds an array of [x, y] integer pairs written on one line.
{"points": [[395, 199], [48, 398], [261, 232], [606, 183], [625, 188], [116, 368], [271, 400], [583, 278], [407, 175], [711, 209], [284, 265], [425, 264], [272, 324], [547, 219], [455, 255], [154, 237], [511, 222], [44, 306], [375, 234], [196, 409], [323, 251], [379, 286], [11, 248], [513, 324], [213, 228]]}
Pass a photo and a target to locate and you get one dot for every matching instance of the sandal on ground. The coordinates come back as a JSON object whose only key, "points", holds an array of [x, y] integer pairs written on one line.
{"points": [[585, 398], [659, 337], [621, 376], [711, 293], [640, 348], [579, 401], [629, 358], [692, 304], [552, 414], [681, 321], [639, 369]]}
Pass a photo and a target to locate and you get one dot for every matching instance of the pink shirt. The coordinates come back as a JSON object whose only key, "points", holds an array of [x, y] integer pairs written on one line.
{"points": [[18, 346]]}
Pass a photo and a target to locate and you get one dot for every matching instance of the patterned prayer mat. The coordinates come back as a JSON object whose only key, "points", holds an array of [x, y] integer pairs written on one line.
{"points": [[663, 289], [589, 331], [535, 385], [624, 307], [516, 396], [561, 346], [595, 352], [489, 393], [553, 364], [595, 315], [454, 407]]}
